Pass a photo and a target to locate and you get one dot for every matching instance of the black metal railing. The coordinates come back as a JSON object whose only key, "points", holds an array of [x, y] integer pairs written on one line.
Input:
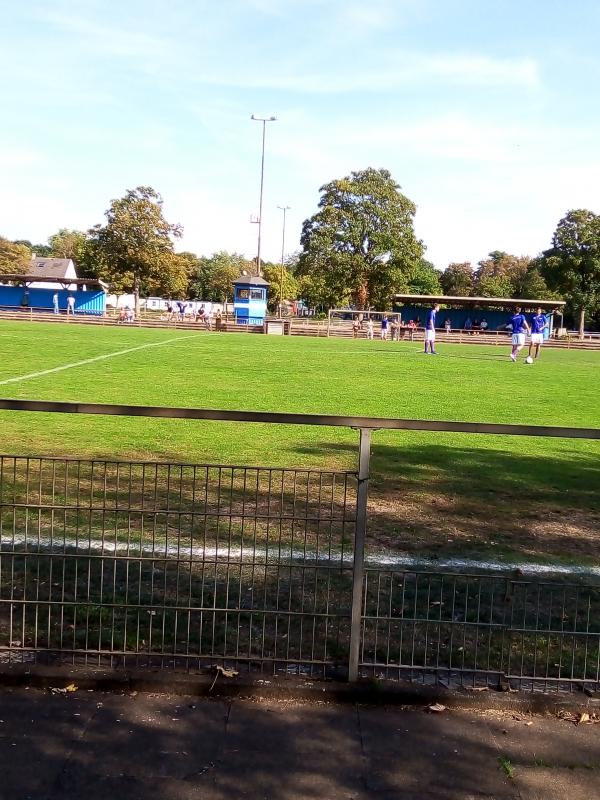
{"points": [[186, 565]]}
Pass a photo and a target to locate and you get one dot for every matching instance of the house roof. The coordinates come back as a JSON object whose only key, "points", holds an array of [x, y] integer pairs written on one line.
{"points": [[50, 267], [251, 280], [450, 300]]}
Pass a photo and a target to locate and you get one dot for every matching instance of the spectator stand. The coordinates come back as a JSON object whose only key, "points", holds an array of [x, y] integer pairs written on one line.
{"points": [[461, 310]]}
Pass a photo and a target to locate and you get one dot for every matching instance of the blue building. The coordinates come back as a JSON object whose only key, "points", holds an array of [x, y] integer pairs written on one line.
{"points": [[250, 300], [36, 294]]}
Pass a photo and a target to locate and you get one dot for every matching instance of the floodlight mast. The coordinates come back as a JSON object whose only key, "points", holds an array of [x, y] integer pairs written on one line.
{"points": [[285, 209], [264, 121]]}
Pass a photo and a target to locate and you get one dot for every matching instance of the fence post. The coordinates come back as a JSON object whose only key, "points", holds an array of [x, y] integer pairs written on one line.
{"points": [[358, 571]]}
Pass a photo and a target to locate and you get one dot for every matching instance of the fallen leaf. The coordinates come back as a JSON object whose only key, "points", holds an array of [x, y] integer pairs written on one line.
{"points": [[583, 717], [71, 688], [226, 673], [436, 708]]}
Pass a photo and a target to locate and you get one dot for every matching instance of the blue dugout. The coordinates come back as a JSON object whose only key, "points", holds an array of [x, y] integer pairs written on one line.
{"points": [[23, 292]]}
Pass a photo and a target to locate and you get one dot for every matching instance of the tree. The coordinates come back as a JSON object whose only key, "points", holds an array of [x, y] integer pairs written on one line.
{"points": [[273, 274], [500, 274], [424, 279], [214, 276], [531, 285], [14, 257], [572, 265], [42, 250], [68, 244], [458, 279], [360, 246], [135, 247]]}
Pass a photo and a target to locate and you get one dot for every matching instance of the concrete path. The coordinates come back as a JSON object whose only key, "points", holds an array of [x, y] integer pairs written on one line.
{"points": [[96, 745]]}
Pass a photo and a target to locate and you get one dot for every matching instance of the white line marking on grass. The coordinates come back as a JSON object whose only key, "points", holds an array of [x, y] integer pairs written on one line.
{"points": [[92, 360]]}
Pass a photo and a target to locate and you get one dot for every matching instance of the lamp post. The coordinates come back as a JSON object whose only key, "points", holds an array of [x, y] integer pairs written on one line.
{"points": [[285, 209], [264, 121]]}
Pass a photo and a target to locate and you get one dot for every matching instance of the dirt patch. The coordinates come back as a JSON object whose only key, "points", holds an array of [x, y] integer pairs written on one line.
{"points": [[442, 525]]}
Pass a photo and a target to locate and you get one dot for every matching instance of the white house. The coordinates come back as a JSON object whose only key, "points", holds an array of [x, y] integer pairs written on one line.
{"points": [[51, 268]]}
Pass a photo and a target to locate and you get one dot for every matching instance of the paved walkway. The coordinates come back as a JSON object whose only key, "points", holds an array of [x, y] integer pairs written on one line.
{"points": [[139, 746]]}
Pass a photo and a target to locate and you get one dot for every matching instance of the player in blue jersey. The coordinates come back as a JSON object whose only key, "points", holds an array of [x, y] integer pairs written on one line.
{"points": [[430, 329], [538, 325], [520, 328]]}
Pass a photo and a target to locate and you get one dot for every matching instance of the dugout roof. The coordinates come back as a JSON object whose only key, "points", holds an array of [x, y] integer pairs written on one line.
{"points": [[27, 280], [490, 302]]}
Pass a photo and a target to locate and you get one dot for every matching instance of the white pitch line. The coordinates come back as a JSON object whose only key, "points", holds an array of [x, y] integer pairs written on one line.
{"points": [[92, 360]]}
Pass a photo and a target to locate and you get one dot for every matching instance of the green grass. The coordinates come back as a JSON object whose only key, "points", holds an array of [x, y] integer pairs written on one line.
{"points": [[438, 494]]}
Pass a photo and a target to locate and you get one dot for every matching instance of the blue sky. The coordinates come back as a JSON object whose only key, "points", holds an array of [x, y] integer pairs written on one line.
{"points": [[485, 111]]}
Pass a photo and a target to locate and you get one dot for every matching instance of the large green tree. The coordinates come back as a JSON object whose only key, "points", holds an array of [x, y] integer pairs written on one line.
{"points": [[14, 257], [279, 278], [361, 245], [135, 248], [572, 265], [68, 244], [500, 274], [458, 279], [213, 276], [424, 278]]}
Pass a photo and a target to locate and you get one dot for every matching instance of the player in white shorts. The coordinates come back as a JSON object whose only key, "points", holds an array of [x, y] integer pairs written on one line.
{"points": [[538, 324], [430, 330], [518, 325]]}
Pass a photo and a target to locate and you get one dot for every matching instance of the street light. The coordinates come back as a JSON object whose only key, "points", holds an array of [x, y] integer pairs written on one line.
{"points": [[264, 121], [285, 209]]}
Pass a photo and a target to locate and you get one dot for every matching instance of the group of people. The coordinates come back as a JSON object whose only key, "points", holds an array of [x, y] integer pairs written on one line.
{"points": [[70, 303], [471, 326], [518, 326], [126, 315], [203, 316], [389, 328]]}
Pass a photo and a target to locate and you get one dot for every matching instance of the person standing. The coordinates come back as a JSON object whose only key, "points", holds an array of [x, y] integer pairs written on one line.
{"points": [[539, 323], [384, 328], [430, 330], [70, 304], [518, 325], [369, 328], [55, 302]]}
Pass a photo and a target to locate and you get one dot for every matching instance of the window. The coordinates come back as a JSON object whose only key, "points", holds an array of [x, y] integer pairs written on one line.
{"points": [[256, 294], [243, 294]]}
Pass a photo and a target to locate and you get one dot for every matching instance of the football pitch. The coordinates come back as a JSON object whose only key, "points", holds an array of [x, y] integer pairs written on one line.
{"points": [[433, 494]]}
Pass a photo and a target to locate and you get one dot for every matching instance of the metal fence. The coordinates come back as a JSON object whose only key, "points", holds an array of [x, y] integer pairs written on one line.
{"points": [[188, 565]]}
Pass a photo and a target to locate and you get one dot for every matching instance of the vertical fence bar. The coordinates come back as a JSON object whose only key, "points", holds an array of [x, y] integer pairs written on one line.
{"points": [[362, 495]]}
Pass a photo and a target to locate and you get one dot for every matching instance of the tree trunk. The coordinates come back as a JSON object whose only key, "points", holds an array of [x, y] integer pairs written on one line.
{"points": [[581, 321], [136, 298], [360, 297]]}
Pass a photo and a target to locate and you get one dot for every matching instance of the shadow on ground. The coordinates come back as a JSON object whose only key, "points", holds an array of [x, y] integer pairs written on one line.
{"points": [[101, 745], [488, 503]]}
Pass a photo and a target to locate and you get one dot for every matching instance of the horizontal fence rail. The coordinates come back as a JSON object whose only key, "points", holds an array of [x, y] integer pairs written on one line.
{"points": [[190, 565], [377, 423]]}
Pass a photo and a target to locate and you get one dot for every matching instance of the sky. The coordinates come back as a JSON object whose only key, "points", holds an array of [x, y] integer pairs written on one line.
{"points": [[485, 112]]}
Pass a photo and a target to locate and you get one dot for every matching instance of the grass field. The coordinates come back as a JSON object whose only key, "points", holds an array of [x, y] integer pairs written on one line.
{"points": [[432, 494]]}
